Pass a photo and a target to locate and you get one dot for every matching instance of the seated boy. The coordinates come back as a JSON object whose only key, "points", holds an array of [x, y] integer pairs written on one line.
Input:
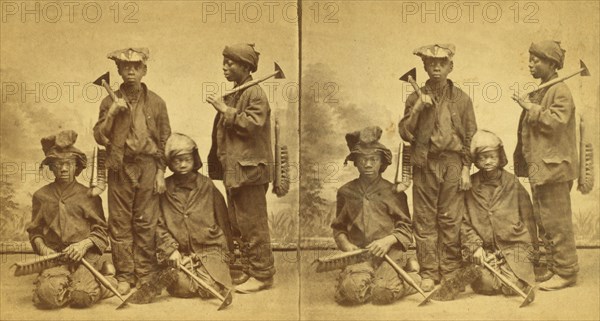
{"points": [[65, 219], [193, 227], [369, 215], [498, 225]]}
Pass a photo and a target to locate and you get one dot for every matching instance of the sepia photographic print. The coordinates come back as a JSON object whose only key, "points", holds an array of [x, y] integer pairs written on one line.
{"points": [[299, 160]]}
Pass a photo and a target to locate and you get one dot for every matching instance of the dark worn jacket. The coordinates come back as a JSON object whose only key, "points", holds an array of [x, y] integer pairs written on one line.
{"points": [[547, 147], [371, 213], [65, 217], [503, 222], [196, 223], [463, 121], [157, 120], [241, 152]]}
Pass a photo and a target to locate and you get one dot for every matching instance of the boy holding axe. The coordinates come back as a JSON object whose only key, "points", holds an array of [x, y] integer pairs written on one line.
{"points": [[134, 129], [241, 155], [439, 123], [65, 220], [370, 215], [546, 153]]}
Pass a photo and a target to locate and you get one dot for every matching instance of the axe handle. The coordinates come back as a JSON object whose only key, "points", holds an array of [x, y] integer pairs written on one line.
{"points": [[404, 275], [555, 81], [504, 279], [101, 278], [248, 84], [201, 283], [109, 90]]}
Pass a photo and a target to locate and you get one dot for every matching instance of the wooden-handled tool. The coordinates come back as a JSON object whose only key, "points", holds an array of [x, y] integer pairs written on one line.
{"points": [[225, 300], [527, 298], [104, 81], [582, 71], [278, 74], [409, 280]]}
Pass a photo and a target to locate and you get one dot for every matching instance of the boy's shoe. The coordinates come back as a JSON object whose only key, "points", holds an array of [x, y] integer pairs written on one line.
{"points": [[427, 285], [123, 287], [254, 285], [547, 275], [557, 282], [239, 277]]}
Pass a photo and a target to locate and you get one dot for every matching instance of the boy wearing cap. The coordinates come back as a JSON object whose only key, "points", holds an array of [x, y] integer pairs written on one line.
{"points": [[546, 153], [498, 225], [439, 125], [193, 227], [134, 130], [369, 215], [65, 219], [240, 155]]}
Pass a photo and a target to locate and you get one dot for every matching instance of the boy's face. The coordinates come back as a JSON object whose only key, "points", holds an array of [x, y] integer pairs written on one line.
{"points": [[540, 68], [368, 164], [64, 169], [437, 68], [488, 161], [132, 72], [234, 71], [183, 164]]}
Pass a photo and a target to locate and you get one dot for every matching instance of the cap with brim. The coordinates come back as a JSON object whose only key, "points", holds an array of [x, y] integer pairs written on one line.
{"points": [[130, 55], [60, 146], [445, 50], [485, 141], [366, 141]]}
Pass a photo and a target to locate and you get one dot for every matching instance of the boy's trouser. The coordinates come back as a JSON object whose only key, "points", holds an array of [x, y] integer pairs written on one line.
{"points": [[249, 219], [374, 280], [552, 212], [437, 214], [490, 284], [133, 215], [75, 285]]}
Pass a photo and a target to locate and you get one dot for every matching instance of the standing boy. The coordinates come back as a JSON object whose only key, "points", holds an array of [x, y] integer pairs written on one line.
{"points": [[546, 153], [65, 219], [241, 155], [134, 130], [439, 125], [369, 215]]}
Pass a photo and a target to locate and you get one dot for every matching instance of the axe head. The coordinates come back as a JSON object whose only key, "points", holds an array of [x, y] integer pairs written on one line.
{"points": [[584, 70], [279, 74], [105, 77], [412, 73]]}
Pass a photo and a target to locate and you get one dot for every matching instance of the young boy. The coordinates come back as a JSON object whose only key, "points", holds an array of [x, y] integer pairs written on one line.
{"points": [[240, 155], [193, 227], [134, 130], [439, 126], [498, 224], [369, 215], [65, 219], [547, 145]]}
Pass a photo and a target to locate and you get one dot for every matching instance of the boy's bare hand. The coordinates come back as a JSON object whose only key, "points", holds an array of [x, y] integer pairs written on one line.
{"points": [[380, 247], [219, 105], [423, 102], [465, 179], [175, 258], [117, 106], [524, 103], [76, 251], [159, 182]]}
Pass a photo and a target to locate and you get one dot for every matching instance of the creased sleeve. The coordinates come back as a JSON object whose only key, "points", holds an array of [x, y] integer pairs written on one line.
{"points": [[338, 225], [251, 117], [99, 136], [402, 223], [469, 238], [35, 227], [408, 123], [98, 226], [165, 242], [470, 127], [557, 115], [164, 131]]}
